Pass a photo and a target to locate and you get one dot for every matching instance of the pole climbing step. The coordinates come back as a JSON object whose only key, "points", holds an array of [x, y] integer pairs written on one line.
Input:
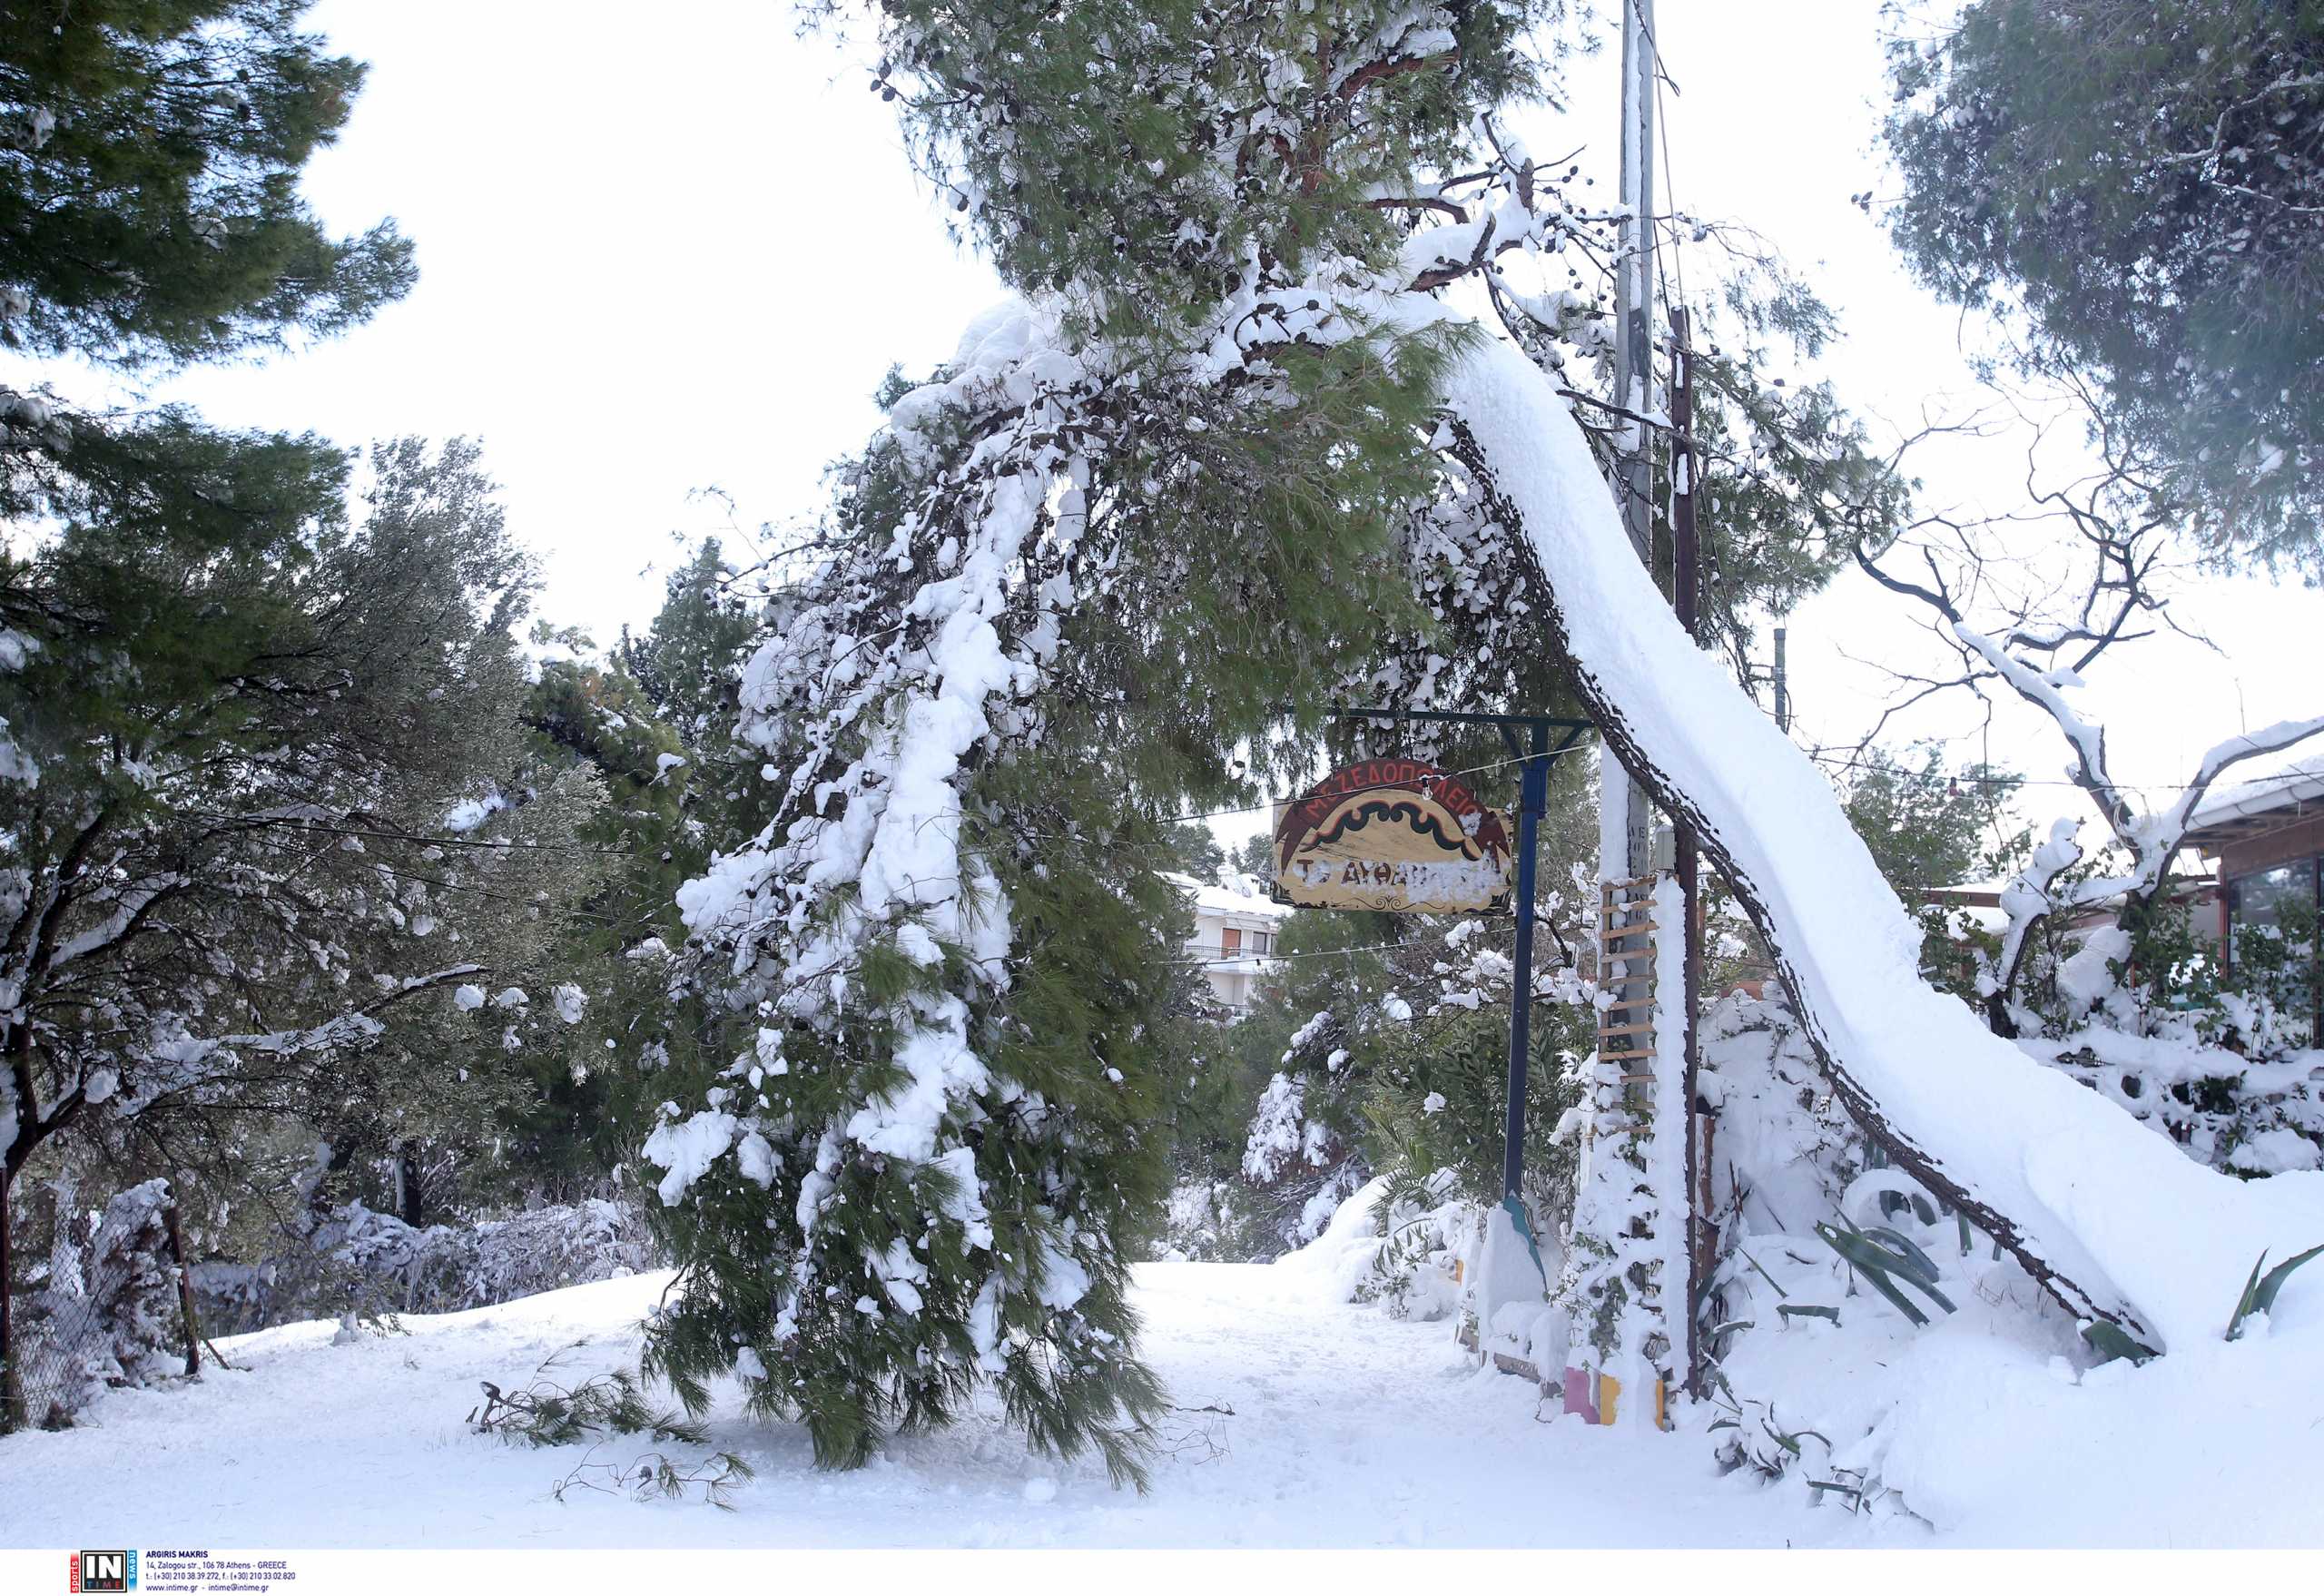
{"points": [[1626, 938]]}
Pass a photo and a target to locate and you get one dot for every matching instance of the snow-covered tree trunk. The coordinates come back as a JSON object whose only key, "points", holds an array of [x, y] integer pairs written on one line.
{"points": [[2112, 1220]]}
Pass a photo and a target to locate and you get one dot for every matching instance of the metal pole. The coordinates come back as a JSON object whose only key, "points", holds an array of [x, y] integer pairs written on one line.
{"points": [[1533, 801]]}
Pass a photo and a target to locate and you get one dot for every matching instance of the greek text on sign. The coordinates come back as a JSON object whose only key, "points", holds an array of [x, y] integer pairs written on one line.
{"points": [[1395, 834]]}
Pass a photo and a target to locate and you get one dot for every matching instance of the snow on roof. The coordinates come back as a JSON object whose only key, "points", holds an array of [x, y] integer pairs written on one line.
{"points": [[1226, 900], [2297, 779]]}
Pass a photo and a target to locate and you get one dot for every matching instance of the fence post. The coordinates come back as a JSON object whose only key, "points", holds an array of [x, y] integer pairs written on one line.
{"points": [[185, 1293]]}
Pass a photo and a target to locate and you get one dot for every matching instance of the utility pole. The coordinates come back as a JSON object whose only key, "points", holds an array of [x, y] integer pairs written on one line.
{"points": [[1625, 816], [1636, 1263], [1686, 598], [1783, 686]]}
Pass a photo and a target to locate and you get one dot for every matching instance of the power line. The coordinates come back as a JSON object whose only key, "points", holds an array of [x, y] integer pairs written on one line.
{"points": [[1471, 770], [1312, 953], [2038, 780], [260, 822]]}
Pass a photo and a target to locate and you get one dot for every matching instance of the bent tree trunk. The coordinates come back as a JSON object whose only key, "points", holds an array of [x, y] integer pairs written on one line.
{"points": [[2112, 1220]]}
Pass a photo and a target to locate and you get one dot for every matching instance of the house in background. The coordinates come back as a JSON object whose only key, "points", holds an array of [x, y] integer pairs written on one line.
{"points": [[2268, 836], [1235, 932]]}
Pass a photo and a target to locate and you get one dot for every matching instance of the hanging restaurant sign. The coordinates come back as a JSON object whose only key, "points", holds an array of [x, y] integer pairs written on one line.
{"points": [[1394, 834]]}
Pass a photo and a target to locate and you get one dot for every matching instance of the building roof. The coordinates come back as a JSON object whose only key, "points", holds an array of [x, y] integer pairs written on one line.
{"points": [[1226, 900], [2290, 790]]}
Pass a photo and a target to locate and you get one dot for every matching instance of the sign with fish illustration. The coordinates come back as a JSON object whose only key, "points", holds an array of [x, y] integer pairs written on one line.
{"points": [[1394, 834]]}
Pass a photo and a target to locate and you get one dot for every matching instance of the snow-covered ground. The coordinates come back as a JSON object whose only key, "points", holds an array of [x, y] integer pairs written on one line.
{"points": [[1348, 1429]]}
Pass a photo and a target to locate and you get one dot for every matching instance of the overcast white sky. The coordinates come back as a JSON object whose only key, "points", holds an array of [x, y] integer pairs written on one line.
{"points": [[668, 252]]}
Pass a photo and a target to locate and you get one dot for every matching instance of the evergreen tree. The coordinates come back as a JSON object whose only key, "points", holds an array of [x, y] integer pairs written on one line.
{"points": [[183, 613], [689, 663], [2143, 179], [568, 1135], [243, 717], [150, 217], [149, 202], [1191, 478], [1199, 853], [1927, 828]]}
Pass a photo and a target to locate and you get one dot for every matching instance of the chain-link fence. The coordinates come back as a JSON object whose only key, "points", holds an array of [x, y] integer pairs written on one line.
{"points": [[108, 1301], [106, 1305]]}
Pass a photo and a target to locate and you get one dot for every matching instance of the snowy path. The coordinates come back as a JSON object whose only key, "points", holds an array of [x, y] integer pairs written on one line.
{"points": [[1349, 1429]]}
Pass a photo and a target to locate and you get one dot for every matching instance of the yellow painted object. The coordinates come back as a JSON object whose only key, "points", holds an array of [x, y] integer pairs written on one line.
{"points": [[1458, 1264], [1597, 1396]]}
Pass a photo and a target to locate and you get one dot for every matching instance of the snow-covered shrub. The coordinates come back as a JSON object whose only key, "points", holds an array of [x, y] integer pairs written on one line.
{"points": [[102, 1310], [2221, 1061], [1437, 1105], [369, 1263], [1782, 1149], [1423, 1232], [1813, 1322], [1300, 1158]]}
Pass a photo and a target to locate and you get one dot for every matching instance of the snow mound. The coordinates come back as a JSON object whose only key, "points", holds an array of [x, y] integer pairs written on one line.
{"points": [[1341, 1257]]}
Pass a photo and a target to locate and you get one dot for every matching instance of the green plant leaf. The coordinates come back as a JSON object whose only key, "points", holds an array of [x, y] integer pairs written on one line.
{"points": [[2260, 1292], [2266, 1301], [1917, 1266], [2112, 1342], [1877, 1265], [1763, 1274], [2243, 1304]]}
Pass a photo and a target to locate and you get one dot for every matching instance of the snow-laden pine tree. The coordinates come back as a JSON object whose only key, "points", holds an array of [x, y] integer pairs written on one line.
{"points": [[1227, 442], [1166, 492]]}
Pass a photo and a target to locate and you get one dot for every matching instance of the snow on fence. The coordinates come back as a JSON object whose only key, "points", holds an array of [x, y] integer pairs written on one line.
{"points": [[107, 1307], [116, 1304]]}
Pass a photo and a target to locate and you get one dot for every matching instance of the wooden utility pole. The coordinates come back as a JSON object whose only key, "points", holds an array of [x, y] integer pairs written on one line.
{"points": [[1625, 815], [1640, 1121], [1686, 598]]}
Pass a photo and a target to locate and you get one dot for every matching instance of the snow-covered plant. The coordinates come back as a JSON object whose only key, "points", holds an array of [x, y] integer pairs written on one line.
{"points": [[104, 1311], [235, 873], [1438, 1101], [1425, 1229], [2107, 583], [355, 1259], [1179, 482], [2260, 1292], [1179, 472], [1888, 1260], [543, 1412]]}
